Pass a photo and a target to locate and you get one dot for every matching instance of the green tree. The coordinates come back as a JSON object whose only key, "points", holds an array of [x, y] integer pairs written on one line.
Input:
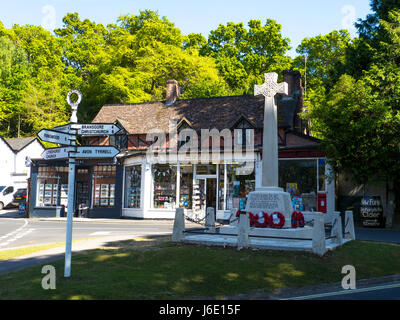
{"points": [[359, 119], [42, 102], [14, 72], [323, 54], [243, 56]]}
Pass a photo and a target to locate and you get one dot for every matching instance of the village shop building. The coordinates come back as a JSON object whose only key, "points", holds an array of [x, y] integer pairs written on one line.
{"points": [[136, 186]]}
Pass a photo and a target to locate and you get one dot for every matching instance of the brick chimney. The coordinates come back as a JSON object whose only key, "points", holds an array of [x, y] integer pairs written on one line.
{"points": [[293, 79], [172, 92]]}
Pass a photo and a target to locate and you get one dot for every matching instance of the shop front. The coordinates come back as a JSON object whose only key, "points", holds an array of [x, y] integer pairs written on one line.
{"points": [[154, 190], [138, 189], [98, 187]]}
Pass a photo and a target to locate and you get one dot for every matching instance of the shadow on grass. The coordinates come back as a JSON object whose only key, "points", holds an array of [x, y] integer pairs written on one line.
{"points": [[155, 268]]}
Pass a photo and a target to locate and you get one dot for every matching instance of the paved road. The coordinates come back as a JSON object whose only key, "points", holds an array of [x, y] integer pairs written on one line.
{"points": [[24, 232], [381, 235], [390, 291]]}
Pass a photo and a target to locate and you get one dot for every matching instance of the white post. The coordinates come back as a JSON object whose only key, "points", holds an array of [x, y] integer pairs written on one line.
{"points": [[71, 183], [178, 185], [349, 226], [337, 231], [225, 183], [330, 189], [70, 213], [179, 225], [210, 220], [318, 235], [243, 240]]}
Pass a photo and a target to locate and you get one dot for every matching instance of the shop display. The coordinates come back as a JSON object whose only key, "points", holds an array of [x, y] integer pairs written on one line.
{"points": [[104, 186], [186, 190], [164, 195], [297, 203], [104, 195], [292, 189], [133, 200], [48, 194], [133, 181]]}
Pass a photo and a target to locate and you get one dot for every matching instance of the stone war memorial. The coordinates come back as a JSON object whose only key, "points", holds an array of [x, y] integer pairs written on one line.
{"points": [[269, 220]]}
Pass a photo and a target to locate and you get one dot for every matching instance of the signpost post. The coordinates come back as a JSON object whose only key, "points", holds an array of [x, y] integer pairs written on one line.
{"points": [[71, 183], [66, 135]]}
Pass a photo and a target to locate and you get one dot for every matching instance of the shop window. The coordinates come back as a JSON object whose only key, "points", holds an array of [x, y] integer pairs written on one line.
{"points": [[164, 179], [243, 133], [186, 186], [221, 181], [52, 186], [82, 186], [241, 181], [133, 182], [104, 186], [299, 178]]}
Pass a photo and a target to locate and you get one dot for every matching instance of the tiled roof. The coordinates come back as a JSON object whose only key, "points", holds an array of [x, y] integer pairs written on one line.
{"points": [[19, 143], [202, 113]]}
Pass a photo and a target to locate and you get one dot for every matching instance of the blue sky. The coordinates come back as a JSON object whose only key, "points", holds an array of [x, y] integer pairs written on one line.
{"points": [[299, 18]]}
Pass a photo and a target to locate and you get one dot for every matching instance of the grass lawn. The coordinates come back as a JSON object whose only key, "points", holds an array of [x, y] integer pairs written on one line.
{"points": [[158, 269]]}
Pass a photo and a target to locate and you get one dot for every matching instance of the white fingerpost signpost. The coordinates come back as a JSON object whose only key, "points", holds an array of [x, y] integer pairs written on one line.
{"points": [[71, 181], [66, 135]]}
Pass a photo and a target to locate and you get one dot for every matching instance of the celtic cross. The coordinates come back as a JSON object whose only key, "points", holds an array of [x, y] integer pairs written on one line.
{"points": [[270, 132]]}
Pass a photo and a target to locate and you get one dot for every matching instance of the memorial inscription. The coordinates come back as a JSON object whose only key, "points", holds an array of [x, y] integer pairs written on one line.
{"points": [[266, 201]]}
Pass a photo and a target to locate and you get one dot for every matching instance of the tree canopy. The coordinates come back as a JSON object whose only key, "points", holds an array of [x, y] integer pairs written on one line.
{"points": [[358, 117]]}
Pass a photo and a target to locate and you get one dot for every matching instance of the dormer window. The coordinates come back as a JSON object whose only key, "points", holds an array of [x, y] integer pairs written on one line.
{"points": [[120, 141], [243, 132], [183, 125]]}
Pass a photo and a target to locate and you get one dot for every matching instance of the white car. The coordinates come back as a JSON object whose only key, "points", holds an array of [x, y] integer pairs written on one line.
{"points": [[6, 196]]}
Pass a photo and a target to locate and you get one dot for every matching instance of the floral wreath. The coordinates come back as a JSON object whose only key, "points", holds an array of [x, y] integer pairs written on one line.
{"points": [[238, 215], [297, 219], [261, 220], [281, 218]]}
